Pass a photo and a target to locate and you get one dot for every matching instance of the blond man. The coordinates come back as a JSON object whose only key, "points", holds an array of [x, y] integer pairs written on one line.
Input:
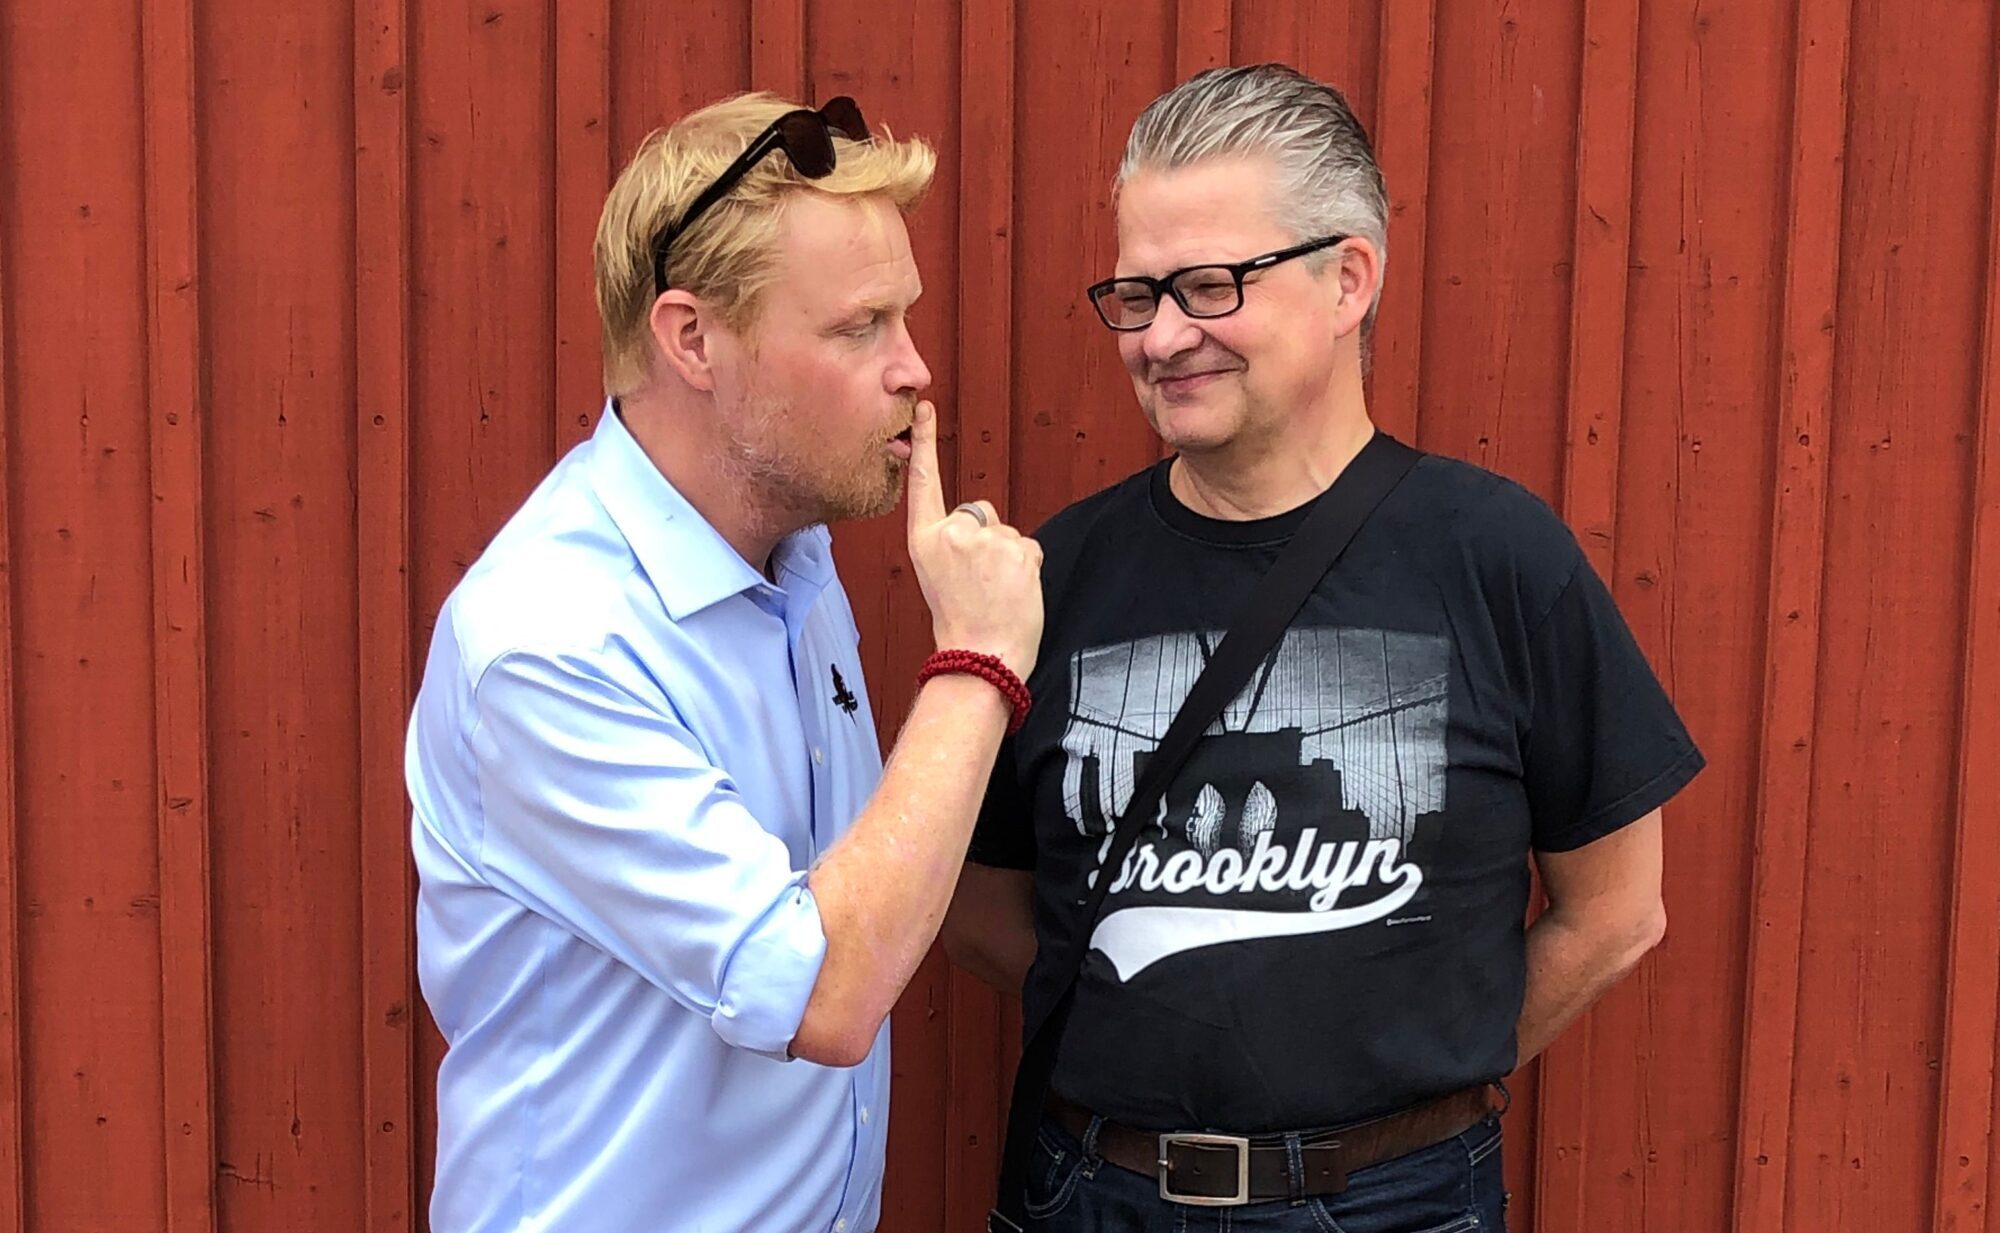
{"points": [[669, 890]]}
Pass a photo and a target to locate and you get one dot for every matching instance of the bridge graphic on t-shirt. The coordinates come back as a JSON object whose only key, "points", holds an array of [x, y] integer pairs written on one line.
{"points": [[1370, 703], [1303, 798]]}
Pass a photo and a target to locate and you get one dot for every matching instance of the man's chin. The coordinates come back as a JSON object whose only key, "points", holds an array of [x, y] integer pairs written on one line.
{"points": [[1186, 436], [855, 506], [892, 493], [878, 507]]}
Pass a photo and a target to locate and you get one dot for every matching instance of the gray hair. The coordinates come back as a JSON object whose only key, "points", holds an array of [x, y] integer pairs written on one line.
{"points": [[1328, 183]]}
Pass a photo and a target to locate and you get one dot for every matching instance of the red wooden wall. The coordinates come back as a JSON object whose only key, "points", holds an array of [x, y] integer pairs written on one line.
{"points": [[295, 306]]}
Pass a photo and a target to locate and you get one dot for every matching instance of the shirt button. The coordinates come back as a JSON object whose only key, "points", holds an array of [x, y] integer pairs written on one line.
{"points": [[840, 1226], [864, 1115], [819, 755]]}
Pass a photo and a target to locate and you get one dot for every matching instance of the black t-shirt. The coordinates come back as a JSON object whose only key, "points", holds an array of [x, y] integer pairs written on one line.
{"points": [[1325, 920]]}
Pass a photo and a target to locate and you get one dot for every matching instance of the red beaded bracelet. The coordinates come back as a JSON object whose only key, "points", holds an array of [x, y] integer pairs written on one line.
{"points": [[987, 668]]}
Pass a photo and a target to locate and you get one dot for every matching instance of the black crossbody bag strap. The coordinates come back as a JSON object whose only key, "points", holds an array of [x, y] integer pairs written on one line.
{"points": [[1303, 561]]}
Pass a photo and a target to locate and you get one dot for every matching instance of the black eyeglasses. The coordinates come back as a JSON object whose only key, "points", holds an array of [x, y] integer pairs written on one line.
{"points": [[804, 135], [1131, 303]]}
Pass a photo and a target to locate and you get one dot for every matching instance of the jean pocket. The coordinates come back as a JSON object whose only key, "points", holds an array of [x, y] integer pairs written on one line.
{"points": [[1053, 1172], [1429, 1191], [1465, 1223], [1482, 1140]]}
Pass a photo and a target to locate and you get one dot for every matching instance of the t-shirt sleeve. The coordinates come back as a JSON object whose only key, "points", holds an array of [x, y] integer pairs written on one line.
{"points": [[1604, 746], [1004, 836]]}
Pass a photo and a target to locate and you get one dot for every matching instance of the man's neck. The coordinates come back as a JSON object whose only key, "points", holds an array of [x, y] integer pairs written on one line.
{"points": [[1257, 479], [695, 465]]}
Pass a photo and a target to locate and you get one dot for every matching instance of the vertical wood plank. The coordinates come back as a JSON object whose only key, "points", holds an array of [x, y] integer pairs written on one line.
{"points": [[1078, 429], [1403, 148], [1697, 434], [278, 160], [1910, 308], [1496, 285], [1201, 36], [1339, 45], [986, 205], [382, 587], [1972, 987], [981, 1072], [1798, 544], [668, 60], [778, 47], [13, 1110], [583, 171], [1603, 235], [72, 101], [175, 397], [1568, 1088]]}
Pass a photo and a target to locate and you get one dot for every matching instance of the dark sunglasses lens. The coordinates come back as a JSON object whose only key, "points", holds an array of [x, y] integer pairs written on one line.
{"points": [[807, 144], [845, 116]]}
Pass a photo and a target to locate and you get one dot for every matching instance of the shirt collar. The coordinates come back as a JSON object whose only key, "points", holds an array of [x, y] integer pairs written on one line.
{"points": [[688, 562]]}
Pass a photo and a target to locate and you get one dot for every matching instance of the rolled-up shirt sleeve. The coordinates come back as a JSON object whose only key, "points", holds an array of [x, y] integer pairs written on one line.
{"points": [[603, 813]]}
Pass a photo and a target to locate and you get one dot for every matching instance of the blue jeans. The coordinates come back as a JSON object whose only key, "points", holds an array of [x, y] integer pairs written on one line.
{"points": [[1452, 1187]]}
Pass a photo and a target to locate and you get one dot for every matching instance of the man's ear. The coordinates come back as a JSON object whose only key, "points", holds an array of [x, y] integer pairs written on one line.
{"points": [[1359, 271], [682, 325]]}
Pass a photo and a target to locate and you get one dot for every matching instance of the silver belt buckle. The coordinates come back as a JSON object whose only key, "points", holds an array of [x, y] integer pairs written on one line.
{"points": [[1242, 1146]]}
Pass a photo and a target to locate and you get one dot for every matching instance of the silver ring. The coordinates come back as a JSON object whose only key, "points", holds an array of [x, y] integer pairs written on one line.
{"points": [[974, 510]]}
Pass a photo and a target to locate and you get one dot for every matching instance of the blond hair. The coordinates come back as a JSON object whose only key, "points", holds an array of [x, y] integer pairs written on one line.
{"points": [[729, 256]]}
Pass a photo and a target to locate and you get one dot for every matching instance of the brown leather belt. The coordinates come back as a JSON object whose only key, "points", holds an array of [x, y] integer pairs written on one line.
{"points": [[1212, 1170]]}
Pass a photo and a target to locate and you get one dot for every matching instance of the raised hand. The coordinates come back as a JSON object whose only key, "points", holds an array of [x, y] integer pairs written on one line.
{"points": [[981, 577]]}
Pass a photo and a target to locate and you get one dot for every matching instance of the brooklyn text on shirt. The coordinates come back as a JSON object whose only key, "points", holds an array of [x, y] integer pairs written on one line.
{"points": [[1135, 938]]}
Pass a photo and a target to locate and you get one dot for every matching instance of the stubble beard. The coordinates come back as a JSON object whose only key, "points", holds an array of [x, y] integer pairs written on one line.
{"points": [[767, 453]]}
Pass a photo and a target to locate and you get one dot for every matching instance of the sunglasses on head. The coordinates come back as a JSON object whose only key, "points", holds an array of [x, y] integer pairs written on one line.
{"points": [[806, 137]]}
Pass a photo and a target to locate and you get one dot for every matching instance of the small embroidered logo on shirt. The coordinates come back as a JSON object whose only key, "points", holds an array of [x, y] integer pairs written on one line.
{"points": [[843, 697]]}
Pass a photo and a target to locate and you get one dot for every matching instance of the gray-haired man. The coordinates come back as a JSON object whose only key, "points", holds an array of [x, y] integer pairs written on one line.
{"points": [[1315, 955]]}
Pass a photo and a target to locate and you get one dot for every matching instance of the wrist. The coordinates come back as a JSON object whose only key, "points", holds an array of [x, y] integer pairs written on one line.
{"points": [[968, 694], [1003, 681]]}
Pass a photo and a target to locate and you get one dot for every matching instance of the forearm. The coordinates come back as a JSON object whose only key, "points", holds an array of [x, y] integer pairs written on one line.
{"points": [[883, 889], [1571, 963]]}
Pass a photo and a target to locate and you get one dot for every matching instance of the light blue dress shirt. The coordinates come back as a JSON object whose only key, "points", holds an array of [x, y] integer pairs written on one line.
{"points": [[628, 749]]}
